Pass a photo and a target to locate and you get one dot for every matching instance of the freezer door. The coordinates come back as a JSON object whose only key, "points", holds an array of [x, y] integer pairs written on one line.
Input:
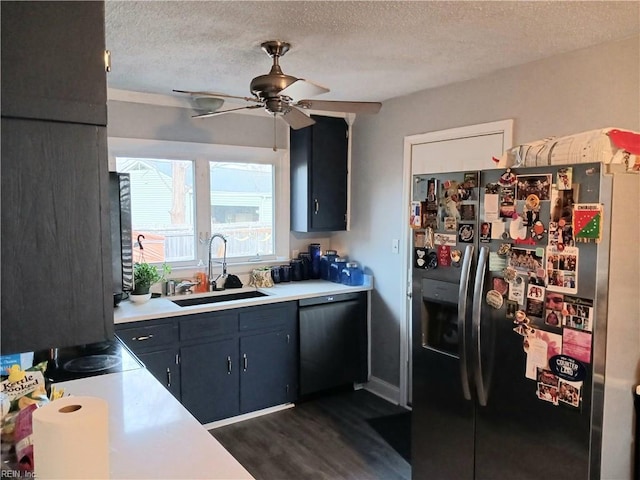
{"points": [[521, 433], [443, 407], [442, 418]]}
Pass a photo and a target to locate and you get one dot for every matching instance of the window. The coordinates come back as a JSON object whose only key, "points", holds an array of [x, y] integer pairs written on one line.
{"points": [[242, 207], [162, 208], [178, 199]]}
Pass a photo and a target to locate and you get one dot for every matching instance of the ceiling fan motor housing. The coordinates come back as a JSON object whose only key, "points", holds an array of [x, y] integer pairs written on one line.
{"points": [[268, 87]]}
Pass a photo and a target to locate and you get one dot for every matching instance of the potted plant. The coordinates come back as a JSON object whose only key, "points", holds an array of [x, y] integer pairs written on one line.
{"points": [[145, 275]]}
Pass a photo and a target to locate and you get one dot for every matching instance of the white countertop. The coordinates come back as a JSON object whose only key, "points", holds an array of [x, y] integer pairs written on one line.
{"points": [[163, 307], [151, 435]]}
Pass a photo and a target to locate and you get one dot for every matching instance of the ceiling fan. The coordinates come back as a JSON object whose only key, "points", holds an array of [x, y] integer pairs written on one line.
{"points": [[280, 94]]}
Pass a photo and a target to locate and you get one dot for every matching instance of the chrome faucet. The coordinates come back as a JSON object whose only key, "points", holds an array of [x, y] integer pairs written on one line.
{"points": [[213, 282]]}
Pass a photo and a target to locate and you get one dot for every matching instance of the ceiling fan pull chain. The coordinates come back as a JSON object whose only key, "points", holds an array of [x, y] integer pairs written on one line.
{"points": [[275, 146]]}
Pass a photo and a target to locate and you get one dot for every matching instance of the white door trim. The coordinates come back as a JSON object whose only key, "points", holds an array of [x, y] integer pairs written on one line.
{"points": [[503, 126]]}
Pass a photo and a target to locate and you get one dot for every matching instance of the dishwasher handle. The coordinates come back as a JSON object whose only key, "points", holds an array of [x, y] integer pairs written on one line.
{"points": [[340, 297]]}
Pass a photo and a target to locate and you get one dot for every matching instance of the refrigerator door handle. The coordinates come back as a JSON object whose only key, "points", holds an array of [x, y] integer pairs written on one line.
{"points": [[465, 278], [478, 295]]}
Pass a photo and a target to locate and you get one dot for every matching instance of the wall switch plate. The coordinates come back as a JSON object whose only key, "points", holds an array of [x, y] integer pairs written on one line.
{"points": [[395, 245]]}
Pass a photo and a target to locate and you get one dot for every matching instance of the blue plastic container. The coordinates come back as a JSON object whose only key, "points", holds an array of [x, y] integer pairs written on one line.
{"points": [[352, 275], [326, 260], [335, 269]]}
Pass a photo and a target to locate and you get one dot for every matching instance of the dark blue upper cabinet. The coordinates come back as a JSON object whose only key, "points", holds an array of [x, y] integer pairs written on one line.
{"points": [[53, 65], [56, 246], [319, 159]]}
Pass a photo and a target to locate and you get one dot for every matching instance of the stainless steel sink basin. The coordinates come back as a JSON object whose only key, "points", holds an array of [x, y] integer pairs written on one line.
{"points": [[187, 302]]}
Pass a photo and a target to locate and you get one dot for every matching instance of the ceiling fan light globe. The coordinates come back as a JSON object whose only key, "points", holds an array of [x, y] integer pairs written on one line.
{"points": [[208, 104]]}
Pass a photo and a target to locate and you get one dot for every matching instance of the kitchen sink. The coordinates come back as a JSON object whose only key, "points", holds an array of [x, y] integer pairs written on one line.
{"points": [[188, 302]]}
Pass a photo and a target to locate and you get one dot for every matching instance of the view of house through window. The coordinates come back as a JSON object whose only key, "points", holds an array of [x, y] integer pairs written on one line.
{"points": [[162, 208], [168, 205], [242, 207]]}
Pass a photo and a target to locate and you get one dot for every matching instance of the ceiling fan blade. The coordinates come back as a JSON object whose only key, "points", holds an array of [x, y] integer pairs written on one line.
{"points": [[297, 120], [214, 94], [220, 112], [349, 107], [302, 88]]}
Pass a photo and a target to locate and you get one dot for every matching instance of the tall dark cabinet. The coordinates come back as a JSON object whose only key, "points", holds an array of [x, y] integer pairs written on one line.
{"points": [[319, 159], [56, 260]]}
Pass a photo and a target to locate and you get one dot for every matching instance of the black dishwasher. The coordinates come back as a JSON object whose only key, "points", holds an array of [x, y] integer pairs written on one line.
{"points": [[333, 341]]}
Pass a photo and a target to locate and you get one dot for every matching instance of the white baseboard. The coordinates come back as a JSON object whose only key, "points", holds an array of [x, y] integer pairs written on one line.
{"points": [[386, 390], [247, 416]]}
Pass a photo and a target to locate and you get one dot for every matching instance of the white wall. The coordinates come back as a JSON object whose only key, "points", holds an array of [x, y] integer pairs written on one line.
{"points": [[587, 89]]}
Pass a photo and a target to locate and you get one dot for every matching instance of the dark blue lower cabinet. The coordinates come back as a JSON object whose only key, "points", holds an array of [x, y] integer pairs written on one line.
{"points": [[164, 365], [255, 366], [268, 374], [210, 379]]}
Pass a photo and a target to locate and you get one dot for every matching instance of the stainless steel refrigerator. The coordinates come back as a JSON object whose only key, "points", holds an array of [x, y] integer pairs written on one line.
{"points": [[509, 321]]}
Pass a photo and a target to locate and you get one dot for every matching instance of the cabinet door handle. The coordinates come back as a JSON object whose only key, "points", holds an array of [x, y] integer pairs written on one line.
{"points": [[245, 362], [142, 338], [316, 204], [229, 366], [168, 377]]}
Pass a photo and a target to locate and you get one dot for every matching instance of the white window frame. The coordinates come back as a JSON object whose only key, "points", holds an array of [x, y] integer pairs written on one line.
{"points": [[201, 154]]}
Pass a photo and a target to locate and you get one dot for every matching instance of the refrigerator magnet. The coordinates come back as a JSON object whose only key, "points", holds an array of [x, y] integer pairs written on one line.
{"points": [[576, 344], [521, 322], [567, 368], [432, 192], [569, 393], [466, 233], [432, 260], [504, 249], [456, 256], [445, 239], [517, 229], [415, 217], [507, 202], [552, 318], [507, 178], [565, 178], [496, 262], [494, 299], [444, 256], [578, 313], [536, 350], [450, 224], [516, 290], [420, 258], [512, 308], [491, 207], [429, 240], [471, 179], [468, 212], [547, 393], [485, 232], [501, 285], [562, 269], [587, 222], [530, 186]]}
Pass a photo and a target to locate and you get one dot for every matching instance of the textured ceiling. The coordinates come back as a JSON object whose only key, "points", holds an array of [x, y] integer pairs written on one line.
{"points": [[367, 51]]}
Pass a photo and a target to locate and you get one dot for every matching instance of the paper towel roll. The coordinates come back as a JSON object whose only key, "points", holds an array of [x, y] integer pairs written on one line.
{"points": [[71, 439]]}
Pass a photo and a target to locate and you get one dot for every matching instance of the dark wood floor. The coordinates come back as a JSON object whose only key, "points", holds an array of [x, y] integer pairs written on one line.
{"points": [[326, 438]]}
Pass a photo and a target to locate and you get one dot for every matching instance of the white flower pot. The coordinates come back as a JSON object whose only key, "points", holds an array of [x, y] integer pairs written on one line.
{"points": [[145, 297]]}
